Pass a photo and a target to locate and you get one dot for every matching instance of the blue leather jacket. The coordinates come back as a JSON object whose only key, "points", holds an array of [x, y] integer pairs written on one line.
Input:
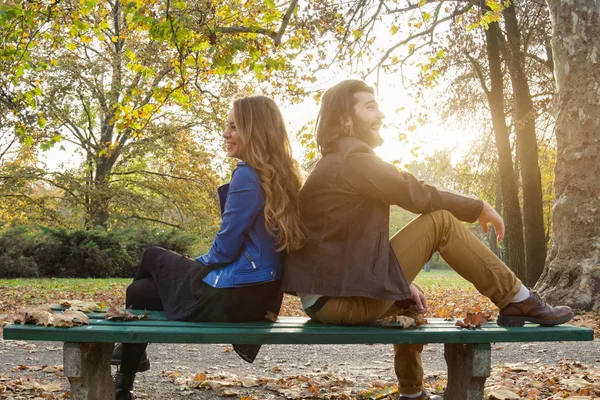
{"points": [[243, 253]]}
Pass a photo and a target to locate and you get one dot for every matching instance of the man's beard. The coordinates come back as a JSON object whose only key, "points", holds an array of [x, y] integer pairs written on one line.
{"points": [[364, 132]]}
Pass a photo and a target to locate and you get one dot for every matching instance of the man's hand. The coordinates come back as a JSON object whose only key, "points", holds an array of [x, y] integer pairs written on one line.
{"points": [[489, 215], [419, 299]]}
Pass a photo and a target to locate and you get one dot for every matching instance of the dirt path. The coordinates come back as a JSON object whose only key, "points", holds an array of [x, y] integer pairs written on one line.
{"points": [[327, 369]]}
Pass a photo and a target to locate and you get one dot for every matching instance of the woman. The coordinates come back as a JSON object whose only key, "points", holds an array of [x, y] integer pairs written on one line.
{"points": [[260, 221]]}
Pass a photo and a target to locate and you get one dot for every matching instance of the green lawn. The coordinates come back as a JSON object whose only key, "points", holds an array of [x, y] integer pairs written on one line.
{"points": [[446, 278], [63, 283], [443, 278], [441, 287]]}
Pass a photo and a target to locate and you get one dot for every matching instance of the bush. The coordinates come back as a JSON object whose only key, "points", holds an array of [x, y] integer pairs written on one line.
{"points": [[91, 253], [15, 253]]}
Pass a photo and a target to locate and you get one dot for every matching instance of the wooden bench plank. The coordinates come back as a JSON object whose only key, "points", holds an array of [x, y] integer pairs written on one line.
{"points": [[290, 333]]}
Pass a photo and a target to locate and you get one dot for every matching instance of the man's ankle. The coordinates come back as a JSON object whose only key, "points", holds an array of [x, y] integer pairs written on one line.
{"points": [[522, 295]]}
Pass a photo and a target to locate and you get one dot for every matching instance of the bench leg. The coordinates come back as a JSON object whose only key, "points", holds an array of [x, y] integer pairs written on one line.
{"points": [[87, 365], [468, 367]]}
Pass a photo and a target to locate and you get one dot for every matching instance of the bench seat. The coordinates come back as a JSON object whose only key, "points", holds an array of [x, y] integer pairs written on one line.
{"points": [[88, 348]]}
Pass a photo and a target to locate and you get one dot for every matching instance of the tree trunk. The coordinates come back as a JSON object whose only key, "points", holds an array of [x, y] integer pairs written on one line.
{"points": [[507, 175], [492, 232], [525, 117], [572, 274]]}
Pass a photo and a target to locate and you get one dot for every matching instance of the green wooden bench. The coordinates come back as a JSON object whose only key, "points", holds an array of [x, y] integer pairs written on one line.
{"points": [[87, 349]]}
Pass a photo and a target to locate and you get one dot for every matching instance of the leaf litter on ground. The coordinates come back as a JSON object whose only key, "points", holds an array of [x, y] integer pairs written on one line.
{"points": [[563, 380]]}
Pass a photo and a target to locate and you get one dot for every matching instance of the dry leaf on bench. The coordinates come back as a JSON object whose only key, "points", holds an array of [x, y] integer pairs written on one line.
{"points": [[33, 316], [70, 318], [397, 321], [473, 321], [84, 306], [271, 316], [116, 314]]}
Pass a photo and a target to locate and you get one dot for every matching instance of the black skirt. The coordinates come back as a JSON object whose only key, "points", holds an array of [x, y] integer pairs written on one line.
{"points": [[186, 297]]}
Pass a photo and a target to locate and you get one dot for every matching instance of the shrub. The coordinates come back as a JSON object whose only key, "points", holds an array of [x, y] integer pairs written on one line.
{"points": [[16, 245], [62, 252]]}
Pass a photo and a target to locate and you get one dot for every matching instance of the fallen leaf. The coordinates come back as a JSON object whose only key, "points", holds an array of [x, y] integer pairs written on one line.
{"points": [[214, 384], [271, 316], [53, 369], [249, 381], [500, 393], [397, 321], [113, 313], [378, 393], [200, 377], [70, 318], [83, 306], [575, 384]]}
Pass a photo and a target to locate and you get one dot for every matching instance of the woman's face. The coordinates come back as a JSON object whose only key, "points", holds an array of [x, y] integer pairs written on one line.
{"points": [[233, 142]]}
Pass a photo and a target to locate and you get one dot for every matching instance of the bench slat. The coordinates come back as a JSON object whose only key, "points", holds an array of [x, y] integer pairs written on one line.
{"points": [[296, 331]]}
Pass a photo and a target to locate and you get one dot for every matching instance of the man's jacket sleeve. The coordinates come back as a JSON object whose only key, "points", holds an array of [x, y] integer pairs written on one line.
{"points": [[372, 177], [244, 203]]}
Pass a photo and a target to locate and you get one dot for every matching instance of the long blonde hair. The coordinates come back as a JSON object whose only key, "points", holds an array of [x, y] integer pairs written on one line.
{"points": [[267, 149]]}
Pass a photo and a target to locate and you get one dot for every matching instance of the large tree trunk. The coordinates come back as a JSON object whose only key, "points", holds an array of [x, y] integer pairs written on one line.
{"points": [[525, 117], [572, 274], [510, 197]]}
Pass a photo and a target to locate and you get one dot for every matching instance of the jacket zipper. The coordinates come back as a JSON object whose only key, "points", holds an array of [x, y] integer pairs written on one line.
{"points": [[250, 259], [218, 277]]}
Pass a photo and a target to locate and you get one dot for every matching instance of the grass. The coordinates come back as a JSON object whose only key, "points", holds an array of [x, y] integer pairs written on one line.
{"points": [[445, 278], [14, 293], [62, 283]]}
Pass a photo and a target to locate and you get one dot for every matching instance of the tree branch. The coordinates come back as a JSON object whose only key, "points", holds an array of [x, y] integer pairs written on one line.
{"points": [[479, 72], [430, 30], [135, 216], [276, 36]]}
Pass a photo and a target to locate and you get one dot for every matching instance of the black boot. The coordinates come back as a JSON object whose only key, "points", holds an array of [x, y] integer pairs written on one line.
{"points": [[124, 385], [117, 356]]}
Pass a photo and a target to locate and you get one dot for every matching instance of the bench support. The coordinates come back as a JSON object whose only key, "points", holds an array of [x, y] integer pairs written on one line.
{"points": [[468, 367], [87, 365]]}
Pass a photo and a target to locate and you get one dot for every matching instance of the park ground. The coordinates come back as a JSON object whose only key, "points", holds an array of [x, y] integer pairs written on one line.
{"points": [[33, 370]]}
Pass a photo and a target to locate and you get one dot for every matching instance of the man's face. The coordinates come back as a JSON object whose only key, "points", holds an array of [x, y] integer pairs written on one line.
{"points": [[367, 118]]}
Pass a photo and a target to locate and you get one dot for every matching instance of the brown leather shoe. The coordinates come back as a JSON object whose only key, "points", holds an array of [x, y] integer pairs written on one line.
{"points": [[533, 309], [422, 396]]}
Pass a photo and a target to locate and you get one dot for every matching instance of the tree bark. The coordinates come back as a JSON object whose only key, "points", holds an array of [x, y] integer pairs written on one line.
{"points": [[525, 118], [507, 175], [572, 273]]}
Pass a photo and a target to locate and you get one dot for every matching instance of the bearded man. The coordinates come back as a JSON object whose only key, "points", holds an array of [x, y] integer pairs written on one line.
{"points": [[351, 272]]}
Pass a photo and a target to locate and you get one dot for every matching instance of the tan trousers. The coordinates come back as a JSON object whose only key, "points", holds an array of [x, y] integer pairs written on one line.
{"points": [[414, 245]]}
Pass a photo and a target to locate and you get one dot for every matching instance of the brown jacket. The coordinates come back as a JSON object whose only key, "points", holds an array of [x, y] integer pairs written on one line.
{"points": [[345, 208]]}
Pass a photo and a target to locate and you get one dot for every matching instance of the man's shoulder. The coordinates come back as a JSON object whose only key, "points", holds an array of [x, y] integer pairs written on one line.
{"points": [[349, 145]]}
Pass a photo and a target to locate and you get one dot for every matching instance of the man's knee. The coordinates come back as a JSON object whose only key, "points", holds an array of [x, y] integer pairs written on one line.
{"points": [[441, 214], [443, 218]]}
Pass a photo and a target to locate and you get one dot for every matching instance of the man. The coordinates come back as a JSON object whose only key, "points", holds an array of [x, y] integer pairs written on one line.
{"points": [[351, 272]]}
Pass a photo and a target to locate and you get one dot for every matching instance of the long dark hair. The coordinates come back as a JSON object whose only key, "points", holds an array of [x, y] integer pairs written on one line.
{"points": [[337, 103]]}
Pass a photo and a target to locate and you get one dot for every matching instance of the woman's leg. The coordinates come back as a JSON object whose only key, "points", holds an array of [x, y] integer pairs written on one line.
{"points": [[150, 263], [142, 294]]}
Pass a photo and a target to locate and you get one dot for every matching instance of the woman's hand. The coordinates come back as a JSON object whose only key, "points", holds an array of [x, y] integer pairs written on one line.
{"points": [[418, 298], [489, 215]]}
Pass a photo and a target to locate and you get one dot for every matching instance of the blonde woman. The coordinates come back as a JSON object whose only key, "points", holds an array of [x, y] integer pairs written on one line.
{"points": [[239, 278]]}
